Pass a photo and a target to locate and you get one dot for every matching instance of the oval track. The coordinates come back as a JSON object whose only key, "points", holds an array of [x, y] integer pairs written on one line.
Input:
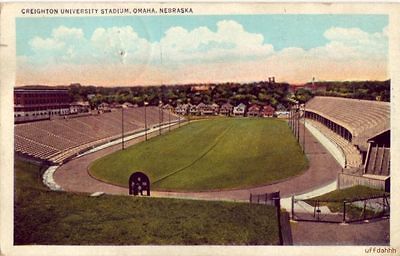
{"points": [[73, 176]]}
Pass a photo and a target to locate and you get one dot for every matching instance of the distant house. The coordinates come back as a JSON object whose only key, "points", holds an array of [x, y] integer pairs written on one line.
{"points": [[115, 105], [193, 109], [254, 110], [104, 106], [282, 114], [168, 107], [201, 107], [204, 109], [268, 111], [215, 107], [182, 109], [127, 105], [239, 110], [280, 107], [226, 109], [79, 107]]}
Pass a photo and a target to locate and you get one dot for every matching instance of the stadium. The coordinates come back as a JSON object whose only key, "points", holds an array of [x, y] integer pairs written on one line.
{"points": [[218, 173]]}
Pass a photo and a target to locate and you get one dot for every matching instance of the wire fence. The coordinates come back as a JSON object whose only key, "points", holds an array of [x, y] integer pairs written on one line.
{"points": [[341, 211], [273, 199]]}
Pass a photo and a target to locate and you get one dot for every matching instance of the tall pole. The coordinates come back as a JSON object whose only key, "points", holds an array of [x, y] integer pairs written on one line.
{"points": [[298, 124], [304, 127], [169, 116], [292, 114], [159, 116], [179, 116], [122, 127], [189, 111], [145, 121]]}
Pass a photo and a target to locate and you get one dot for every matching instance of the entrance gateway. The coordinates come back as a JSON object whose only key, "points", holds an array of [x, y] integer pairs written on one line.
{"points": [[139, 182]]}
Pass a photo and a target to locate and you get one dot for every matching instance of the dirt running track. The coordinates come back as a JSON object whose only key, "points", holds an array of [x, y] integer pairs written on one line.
{"points": [[323, 169]]}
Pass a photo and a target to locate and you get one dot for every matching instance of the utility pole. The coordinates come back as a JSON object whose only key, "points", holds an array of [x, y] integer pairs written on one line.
{"points": [[122, 127], [159, 116], [304, 127], [298, 124], [145, 121], [169, 115], [189, 110]]}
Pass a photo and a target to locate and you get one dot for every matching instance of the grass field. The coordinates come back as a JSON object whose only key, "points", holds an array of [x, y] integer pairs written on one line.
{"points": [[221, 153], [337, 197], [45, 217], [349, 194]]}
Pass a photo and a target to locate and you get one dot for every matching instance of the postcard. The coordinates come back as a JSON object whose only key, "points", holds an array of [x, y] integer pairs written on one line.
{"points": [[232, 128]]}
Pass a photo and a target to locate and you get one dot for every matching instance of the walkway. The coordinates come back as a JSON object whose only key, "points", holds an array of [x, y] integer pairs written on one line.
{"points": [[313, 233], [323, 169]]}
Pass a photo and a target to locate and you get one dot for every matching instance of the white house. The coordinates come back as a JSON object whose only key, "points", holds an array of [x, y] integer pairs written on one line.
{"points": [[239, 110]]}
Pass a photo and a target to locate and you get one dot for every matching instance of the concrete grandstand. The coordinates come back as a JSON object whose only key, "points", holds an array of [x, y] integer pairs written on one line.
{"points": [[361, 130], [54, 141]]}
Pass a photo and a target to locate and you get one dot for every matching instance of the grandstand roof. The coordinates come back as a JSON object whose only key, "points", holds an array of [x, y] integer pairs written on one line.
{"points": [[363, 118]]}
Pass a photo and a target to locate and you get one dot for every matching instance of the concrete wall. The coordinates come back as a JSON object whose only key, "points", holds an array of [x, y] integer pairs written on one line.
{"points": [[348, 180]]}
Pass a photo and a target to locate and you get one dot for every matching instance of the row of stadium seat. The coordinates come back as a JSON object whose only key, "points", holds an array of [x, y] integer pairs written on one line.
{"points": [[56, 140], [361, 115], [352, 154]]}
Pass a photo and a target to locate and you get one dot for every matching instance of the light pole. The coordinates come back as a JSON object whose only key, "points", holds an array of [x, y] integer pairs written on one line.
{"points": [[179, 116], [298, 123], [169, 115], [304, 127], [145, 121], [189, 110], [122, 127], [159, 116]]}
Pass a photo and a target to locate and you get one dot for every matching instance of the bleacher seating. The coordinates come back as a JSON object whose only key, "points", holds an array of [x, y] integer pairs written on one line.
{"points": [[351, 153], [57, 140], [363, 118]]}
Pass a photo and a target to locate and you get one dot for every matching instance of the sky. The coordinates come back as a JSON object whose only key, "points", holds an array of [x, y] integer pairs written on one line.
{"points": [[153, 50]]}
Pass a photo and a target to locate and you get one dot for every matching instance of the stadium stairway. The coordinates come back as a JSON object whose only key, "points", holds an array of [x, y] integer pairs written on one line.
{"points": [[378, 161]]}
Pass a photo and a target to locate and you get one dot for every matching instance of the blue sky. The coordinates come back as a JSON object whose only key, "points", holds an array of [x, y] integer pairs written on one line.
{"points": [[151, 50], [304, 31]]}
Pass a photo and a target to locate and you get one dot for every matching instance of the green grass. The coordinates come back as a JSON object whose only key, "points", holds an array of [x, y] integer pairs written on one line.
{"points": [[337, 197], [45, 217], [352, 193], [222, 153]]}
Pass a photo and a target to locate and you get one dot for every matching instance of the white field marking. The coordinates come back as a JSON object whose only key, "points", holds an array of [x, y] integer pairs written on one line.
{"points": [[48, 179]]}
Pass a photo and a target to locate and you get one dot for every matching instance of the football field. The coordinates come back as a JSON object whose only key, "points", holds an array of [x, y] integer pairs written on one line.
{"points": [[222, 153]]}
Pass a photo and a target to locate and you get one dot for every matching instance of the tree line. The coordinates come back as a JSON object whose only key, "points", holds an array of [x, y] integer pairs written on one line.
{"points": [[250, 93], [261, 93], [365, 90]]}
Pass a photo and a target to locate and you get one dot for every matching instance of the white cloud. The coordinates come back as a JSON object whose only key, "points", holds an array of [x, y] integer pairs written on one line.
{"points": [[188, 52], [230, 41], [38, 44], [120, 44]]}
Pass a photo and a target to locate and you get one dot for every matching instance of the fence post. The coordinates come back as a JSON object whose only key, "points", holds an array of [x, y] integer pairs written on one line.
{"points": [[266, 198], [277, 204], [251, 198], [344, 211], [292, 207], [364, 210]]}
